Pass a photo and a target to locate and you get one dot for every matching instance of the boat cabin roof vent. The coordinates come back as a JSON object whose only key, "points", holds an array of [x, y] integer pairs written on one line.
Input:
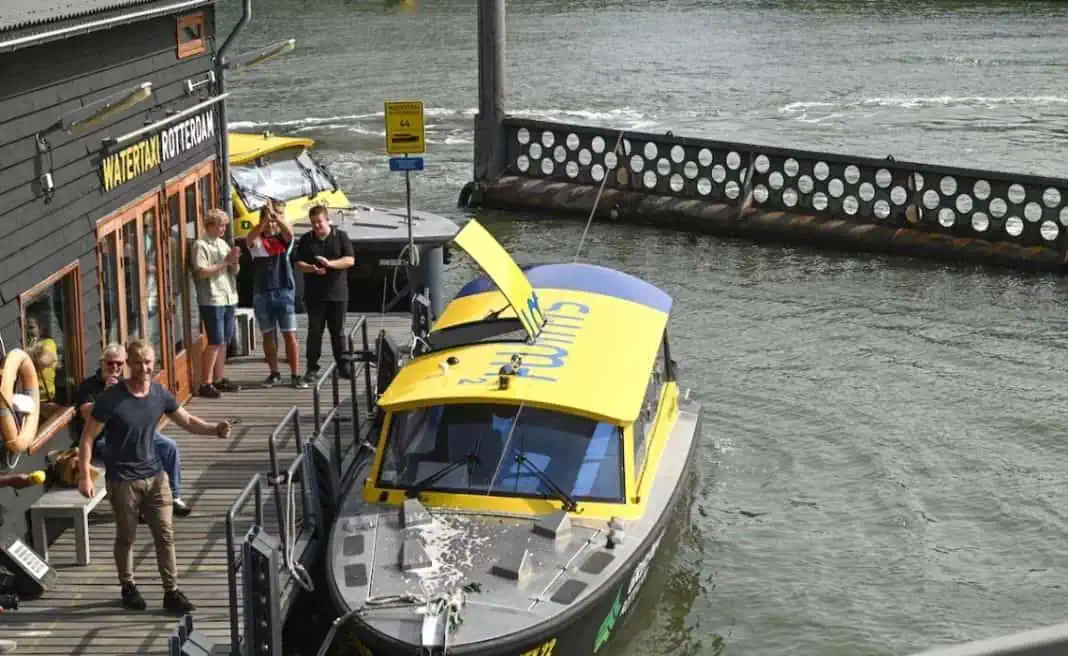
{"points": [[413, 555], [555, 526], [514, 565], [414, 513]]}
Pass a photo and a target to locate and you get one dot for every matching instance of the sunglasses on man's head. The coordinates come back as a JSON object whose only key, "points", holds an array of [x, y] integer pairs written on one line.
{"points": [[114, 363]]}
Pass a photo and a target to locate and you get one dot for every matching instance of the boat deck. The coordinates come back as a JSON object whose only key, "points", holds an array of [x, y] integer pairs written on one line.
{"points": [[81, 613]]}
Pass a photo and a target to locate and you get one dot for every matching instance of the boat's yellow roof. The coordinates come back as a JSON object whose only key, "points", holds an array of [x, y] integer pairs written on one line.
{"points": [[593, 356], [246, 147]]}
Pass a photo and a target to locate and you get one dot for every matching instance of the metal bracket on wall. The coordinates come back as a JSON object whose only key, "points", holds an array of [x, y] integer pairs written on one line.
{"points": [[191, 86]]}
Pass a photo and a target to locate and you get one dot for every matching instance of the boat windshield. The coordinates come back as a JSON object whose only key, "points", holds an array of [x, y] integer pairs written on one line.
{"points": [[580, 456], [284, 174]]}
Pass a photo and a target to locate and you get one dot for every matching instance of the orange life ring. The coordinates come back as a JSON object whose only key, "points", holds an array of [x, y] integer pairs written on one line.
{"points": [[19, 365]]}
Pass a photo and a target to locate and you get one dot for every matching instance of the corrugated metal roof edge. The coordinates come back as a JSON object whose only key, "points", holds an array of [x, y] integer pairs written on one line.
{"points": [[25, 32], [68, 15]]}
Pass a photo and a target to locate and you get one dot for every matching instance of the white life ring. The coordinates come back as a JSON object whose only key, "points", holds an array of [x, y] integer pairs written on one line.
{"points": [[19, 365]]}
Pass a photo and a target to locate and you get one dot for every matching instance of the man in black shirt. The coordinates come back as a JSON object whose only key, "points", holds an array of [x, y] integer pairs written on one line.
{"points": [[127, 413], [324, 255], [111, 362]]}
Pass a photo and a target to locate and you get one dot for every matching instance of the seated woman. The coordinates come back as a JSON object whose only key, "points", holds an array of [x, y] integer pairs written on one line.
{"points": [[112, 361], [43, 351]]}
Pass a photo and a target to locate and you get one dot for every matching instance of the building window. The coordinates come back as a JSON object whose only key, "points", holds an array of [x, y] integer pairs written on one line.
{"points": [[190, 35], [130, 275], [110, 309], [52, 335]]}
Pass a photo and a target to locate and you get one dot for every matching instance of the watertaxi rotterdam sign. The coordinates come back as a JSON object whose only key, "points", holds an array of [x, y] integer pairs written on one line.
{"points": [[152, 151], [405, 132]]}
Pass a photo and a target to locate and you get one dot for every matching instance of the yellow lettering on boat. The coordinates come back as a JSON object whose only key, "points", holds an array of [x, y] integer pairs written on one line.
{"points": [[544, 649]]}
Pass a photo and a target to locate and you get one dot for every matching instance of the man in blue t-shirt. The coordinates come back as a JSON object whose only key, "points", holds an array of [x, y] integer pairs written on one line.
{"points": [[127, 413], [112, 360]]}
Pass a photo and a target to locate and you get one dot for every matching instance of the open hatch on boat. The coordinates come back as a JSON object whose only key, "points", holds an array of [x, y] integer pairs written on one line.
{"points": [[530, 457]]}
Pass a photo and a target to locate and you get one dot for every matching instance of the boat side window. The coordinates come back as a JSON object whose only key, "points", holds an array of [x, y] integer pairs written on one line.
{"points": [[580, 455], [643, 426]]}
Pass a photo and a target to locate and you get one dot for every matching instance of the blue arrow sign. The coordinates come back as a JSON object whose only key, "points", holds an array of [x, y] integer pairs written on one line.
{"points": [[405, 163]]}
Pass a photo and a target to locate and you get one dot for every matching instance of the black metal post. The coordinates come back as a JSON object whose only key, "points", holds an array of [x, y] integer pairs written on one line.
{"points": [[220, 83], [367, 369], [337, 421], [489, 124]]}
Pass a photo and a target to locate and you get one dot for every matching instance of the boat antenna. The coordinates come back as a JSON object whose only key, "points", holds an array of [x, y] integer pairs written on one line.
{"points": [[615, 150]]}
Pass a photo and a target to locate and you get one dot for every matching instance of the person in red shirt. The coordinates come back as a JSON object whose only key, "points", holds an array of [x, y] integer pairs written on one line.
{"points": [[274, 290]]}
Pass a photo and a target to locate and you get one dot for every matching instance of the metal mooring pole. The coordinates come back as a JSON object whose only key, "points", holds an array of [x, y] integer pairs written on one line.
{"points": [[223, 167], [490, 146]]}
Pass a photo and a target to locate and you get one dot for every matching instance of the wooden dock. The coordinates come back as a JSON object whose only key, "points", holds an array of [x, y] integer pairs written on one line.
{"points": [[82, 614]]}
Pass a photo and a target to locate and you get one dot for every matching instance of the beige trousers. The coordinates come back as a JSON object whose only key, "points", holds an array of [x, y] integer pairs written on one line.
{"points": [[152, 498]]}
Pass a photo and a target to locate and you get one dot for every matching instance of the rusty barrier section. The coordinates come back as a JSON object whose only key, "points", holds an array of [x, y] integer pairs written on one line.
{"points": [[765, 193]]}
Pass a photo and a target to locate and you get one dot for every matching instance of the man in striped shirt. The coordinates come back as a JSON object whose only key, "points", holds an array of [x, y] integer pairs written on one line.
{"points": [[274, 290]]}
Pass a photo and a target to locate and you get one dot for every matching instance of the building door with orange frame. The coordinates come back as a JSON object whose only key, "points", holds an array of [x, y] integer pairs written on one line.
{"points": [[132, 286], [185, 214]]}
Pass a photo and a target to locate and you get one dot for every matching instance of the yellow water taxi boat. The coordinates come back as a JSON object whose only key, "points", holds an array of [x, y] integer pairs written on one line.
{"points": [[531, 456], [266, 166]]}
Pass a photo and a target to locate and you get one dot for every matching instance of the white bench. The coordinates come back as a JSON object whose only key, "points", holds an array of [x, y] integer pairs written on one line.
{"points": [[65, 503]]}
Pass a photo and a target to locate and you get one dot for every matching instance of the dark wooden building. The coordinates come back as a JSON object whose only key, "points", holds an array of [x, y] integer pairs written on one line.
{"points": [[109, 135]]}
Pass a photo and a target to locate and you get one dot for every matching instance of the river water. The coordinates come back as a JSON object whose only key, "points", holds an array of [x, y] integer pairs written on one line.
{"points": [[882, 465]]}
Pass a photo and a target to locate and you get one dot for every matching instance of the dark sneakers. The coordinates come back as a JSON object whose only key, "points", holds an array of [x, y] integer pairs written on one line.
{"points": [[175, 601], [181, 508], [131, 598], [226, 385], [209, 391], [273, 379], [311, 376], [298, 382]]}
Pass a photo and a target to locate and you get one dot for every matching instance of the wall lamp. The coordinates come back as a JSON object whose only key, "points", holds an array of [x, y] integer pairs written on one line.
{"points": [[80, 121], [270, 52], [92, 115], [191, 86]]}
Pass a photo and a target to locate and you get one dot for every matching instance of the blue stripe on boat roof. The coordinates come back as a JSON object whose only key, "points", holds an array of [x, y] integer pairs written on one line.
{"points": [[583, 277]]}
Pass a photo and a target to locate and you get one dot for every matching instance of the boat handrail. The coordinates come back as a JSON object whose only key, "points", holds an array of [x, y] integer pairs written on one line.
{"points": [[364, 365], [328, 374], [234, 557], [298, 541], [292, 417]]}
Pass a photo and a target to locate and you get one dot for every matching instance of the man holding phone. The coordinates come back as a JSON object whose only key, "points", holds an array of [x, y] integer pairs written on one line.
{"points": [[324, 255], [215, 264]]}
